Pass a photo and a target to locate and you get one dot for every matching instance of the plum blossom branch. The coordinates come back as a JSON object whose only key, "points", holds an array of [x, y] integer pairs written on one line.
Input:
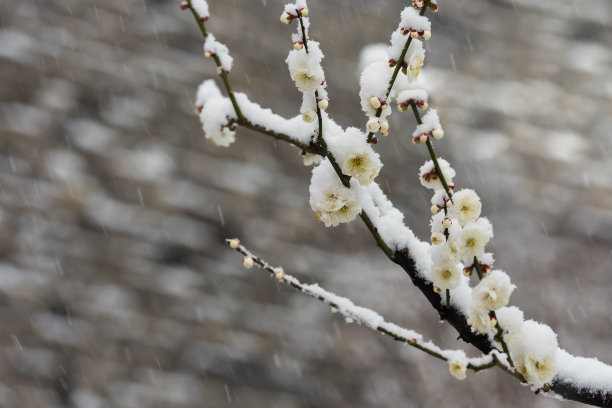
{"points": [[200, 20], [567, 384]]}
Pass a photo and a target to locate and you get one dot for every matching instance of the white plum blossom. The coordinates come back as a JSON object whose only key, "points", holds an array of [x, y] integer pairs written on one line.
{"points": [[466, 206], [493, 291], [312, 158], [446, 275], [332, 202], [355, 155], [457, 367], [305, 67], [478, 317], [364, 165], [415, 60], [473, 239], [534, 353], [429, 177]]}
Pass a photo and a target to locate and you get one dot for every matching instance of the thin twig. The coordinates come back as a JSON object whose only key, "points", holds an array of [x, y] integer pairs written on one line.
{"points": [[223, 73], [357, 313]]}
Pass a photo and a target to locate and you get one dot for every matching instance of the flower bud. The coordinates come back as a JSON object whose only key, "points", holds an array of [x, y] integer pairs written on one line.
{"points": [[467, 271], [247, 262], [416, 140], [449, 203], [418, 3], [392, 63], [447, 223], [437, 133], [208, 54], [303, 12], [374, 140], [435, 209], [234, 243], [309, 116], [375, 102], [286, 18], [422, 104], [402, 107], [433, 7], [414, 34], [184, 5], [423, 138], [384, 128], [323, 104], [373, 125], [426, 35], [298, 45], [279, 275], [437, 289]]}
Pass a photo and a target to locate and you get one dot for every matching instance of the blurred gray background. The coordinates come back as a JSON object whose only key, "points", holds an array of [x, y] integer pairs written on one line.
{"points": [[115, 287]]}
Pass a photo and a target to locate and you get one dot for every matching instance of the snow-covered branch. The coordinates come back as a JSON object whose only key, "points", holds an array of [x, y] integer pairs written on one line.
{"points": [[458, 361]]}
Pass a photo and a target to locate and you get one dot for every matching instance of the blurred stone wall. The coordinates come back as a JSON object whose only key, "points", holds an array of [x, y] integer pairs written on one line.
{"points": [[115, 287]]}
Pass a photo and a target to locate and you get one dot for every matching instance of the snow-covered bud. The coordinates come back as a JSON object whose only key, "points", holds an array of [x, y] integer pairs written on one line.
{"points": [[458, 368], [414, 34], [418, 3], [309, 115], [437, 238], [437, 133], [447, 223], [247, 262], [375, 102], [422, 104], [373, 125], [435, 209], [423, 138], [433, 7], [298, 45], [392, 62], [208, 54], [184, 5], [416, 140], [437, 289], [384, 129], [279, 274], [402, 106], [286, 18], [234, 243], [426, 35], [303, 12], [323, 104]]}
